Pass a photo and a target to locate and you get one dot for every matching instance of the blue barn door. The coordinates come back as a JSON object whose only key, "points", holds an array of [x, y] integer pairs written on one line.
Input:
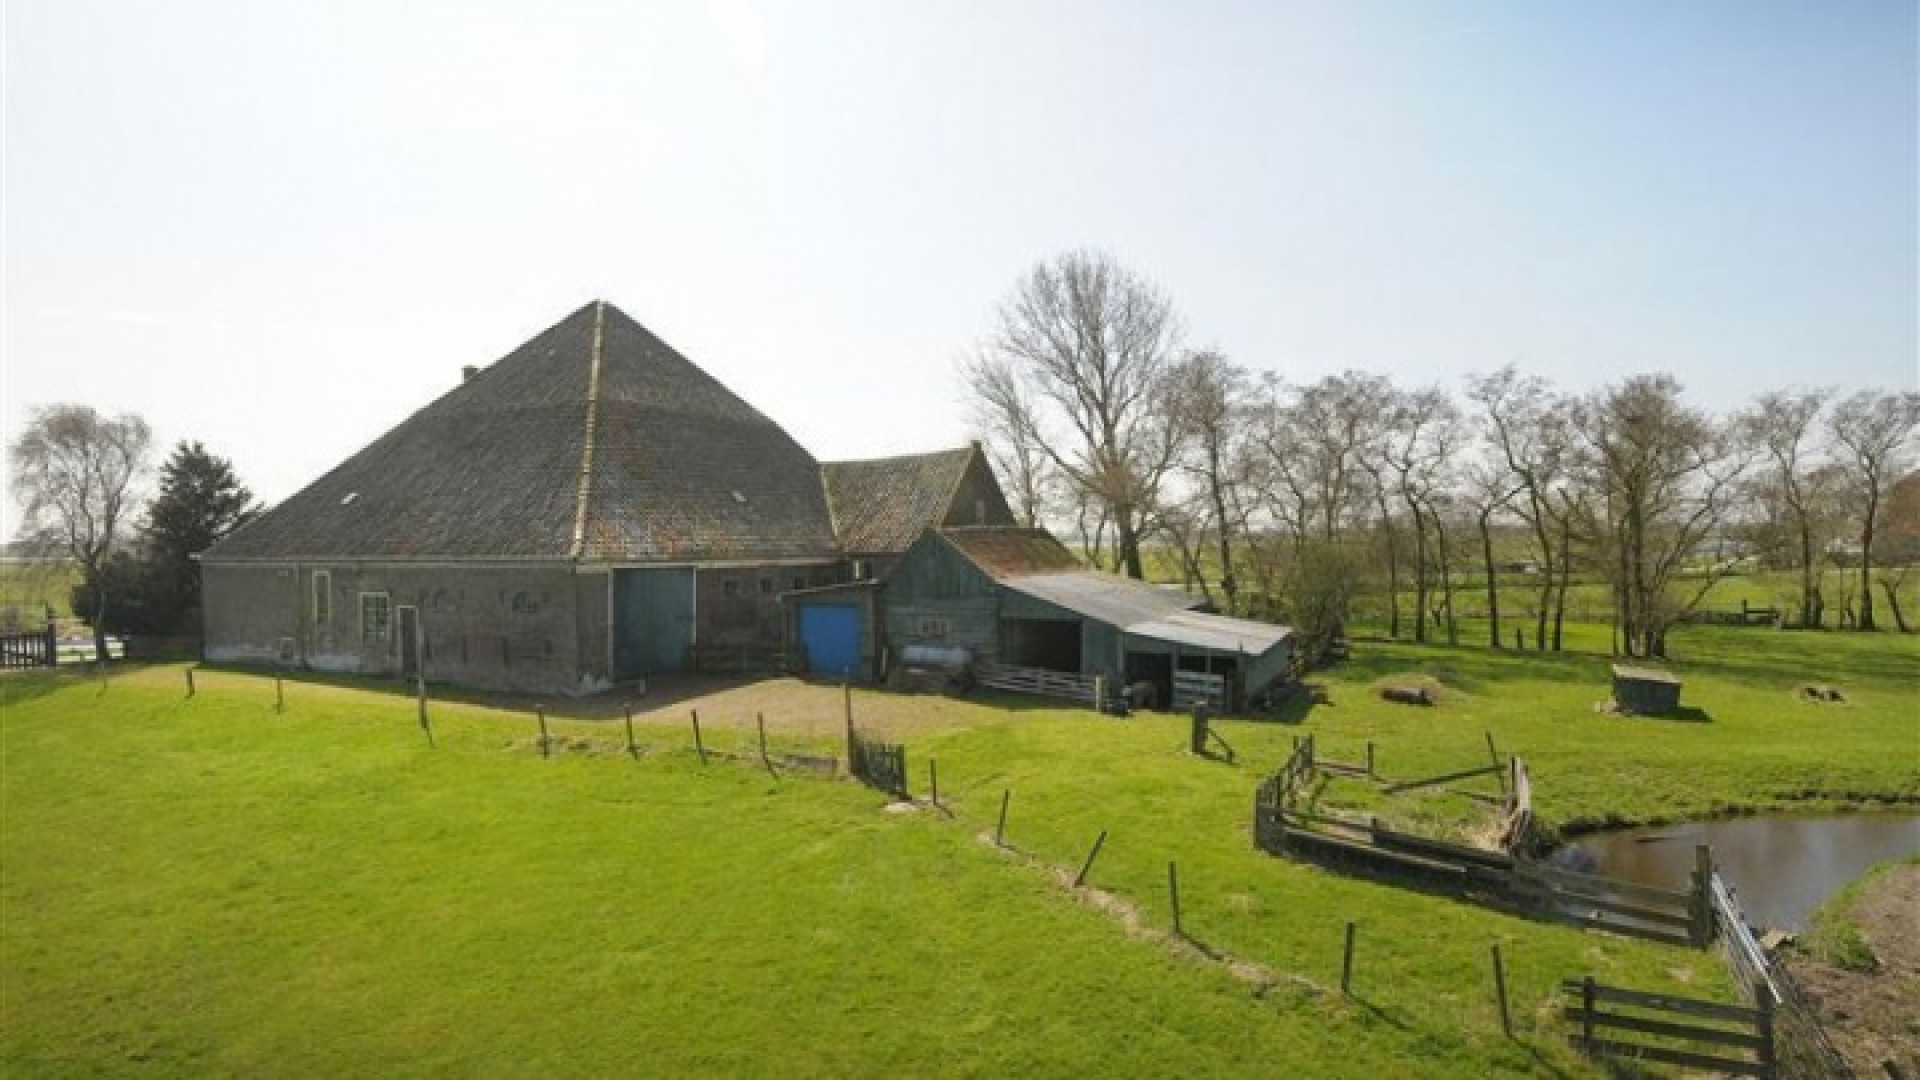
{"points": [[830, 634], [652, 621]]}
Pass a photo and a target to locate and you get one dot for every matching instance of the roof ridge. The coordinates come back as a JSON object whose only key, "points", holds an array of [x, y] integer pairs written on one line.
{"points": [[583, 490]]}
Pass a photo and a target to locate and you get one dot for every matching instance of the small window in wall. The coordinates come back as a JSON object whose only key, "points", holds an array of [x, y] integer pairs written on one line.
{"points": [[935, 629], [376, 616], [731, 587], [766, 586], [799, 583], [322, 597]]}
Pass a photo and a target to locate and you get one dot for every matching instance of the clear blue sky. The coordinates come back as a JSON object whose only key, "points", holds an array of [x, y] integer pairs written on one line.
{"points": [[280, 228]]}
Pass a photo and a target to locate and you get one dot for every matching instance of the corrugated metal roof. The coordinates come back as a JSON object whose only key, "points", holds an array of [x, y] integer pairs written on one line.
{"points": [[1149, 611], [1217, 633], [1117, 601]]}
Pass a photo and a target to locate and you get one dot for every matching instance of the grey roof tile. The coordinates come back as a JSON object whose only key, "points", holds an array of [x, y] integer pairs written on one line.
{"points": [[681, 469]]}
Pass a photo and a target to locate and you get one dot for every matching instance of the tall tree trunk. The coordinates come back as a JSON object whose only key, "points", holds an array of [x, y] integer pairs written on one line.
{"points": [[1493, 585], [1419, 572], [1566, 579], [1446, 579], [1129, 543], [100, 620], [1893, 605], [1393, 571], [1809, 579], [1866, 566]]}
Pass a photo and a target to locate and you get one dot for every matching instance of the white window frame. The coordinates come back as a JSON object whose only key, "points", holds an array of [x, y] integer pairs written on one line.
{"points": [[385, 630], [322, 597]]}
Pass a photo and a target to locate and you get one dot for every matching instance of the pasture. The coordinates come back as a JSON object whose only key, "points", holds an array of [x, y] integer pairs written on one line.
{"points": [[210, 885]]}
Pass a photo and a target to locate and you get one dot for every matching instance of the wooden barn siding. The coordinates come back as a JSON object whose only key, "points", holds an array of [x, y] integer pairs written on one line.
{"points": [[978, 499], [933, 581]]}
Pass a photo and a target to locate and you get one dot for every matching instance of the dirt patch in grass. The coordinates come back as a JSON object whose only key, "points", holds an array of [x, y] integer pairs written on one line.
{"points": [[1874, 1017]]}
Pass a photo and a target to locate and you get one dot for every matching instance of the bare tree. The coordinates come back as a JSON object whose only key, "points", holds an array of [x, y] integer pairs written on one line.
{"points": [[74, 473], [1529, 429], [1665, 477], [1089, 345], [1209, 402], [1491, 488], [1423, 434], [1003, 415], [1872, 435], [1781, 425]]}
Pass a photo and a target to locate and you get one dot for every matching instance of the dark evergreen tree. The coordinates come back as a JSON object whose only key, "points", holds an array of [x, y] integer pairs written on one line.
{"points": [[200, 500]]}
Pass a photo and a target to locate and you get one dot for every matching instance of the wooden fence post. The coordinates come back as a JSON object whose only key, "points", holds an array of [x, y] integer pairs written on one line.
{"points": [[279, 695], [540, 714], [633, 751], [1500, 990], [189, 682], [1000, 830], [933, 779], [1498, 772], [846, 694], [1369, 759], [761, 719], [1769, 1063], [426, 725], [1346, 963], [1081, 878], [1586, 1015], [1701, 905], [1173, 893], [699, 746]]}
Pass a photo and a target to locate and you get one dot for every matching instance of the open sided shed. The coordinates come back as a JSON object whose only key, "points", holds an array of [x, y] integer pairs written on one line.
{"points": [[1018, 597]]}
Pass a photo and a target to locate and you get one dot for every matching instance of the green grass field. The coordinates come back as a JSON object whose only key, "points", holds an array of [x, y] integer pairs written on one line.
{"points": [[204, 886]]}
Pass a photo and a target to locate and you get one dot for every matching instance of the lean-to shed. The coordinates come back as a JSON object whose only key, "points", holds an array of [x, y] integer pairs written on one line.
{"points": [[1018, 597]]}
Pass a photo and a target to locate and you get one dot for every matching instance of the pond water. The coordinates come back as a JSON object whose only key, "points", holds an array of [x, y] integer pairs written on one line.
{"points": [[1781, 867]]}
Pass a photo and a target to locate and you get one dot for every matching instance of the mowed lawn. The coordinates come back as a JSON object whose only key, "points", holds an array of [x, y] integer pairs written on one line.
{"points": [[207, 887]]}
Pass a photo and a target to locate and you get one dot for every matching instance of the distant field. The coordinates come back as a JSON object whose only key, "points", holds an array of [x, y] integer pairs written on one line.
{"points": [[205, 886], [34, 587]]}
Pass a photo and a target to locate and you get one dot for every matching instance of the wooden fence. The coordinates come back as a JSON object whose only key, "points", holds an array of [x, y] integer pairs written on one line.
{"points": [[1800, 1043], [1670, 916], [1038, 681], [38, 648], [878, 764], [1192, 687], [1283, 824], [1616, 1022]]}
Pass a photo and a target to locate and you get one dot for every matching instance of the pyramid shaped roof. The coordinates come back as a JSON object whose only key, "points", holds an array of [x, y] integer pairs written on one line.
{"points": [[594, 440]]}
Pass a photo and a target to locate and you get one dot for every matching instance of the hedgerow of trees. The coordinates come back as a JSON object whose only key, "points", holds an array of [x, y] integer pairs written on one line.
{"points": [[1289, 499], [79, 478]]}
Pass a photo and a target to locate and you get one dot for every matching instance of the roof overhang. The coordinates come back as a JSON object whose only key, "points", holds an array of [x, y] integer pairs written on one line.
{"points": [[1213, 633]]}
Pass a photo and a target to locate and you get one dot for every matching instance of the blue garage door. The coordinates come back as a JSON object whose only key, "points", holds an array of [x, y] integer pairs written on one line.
{"points": [[830, 634]]}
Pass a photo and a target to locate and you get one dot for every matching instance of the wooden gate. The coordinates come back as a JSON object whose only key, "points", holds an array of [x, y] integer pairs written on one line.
{"points": [[879, 764], [36, 649], [1620, 1023]]}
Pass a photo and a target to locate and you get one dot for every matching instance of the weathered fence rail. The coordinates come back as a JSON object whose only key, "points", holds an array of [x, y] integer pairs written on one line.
{"points": [[38, 648], [1037, 681], [1193, 687], [1801, 1046], [1508, 878], [1617, 1022], [878, 764]]}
